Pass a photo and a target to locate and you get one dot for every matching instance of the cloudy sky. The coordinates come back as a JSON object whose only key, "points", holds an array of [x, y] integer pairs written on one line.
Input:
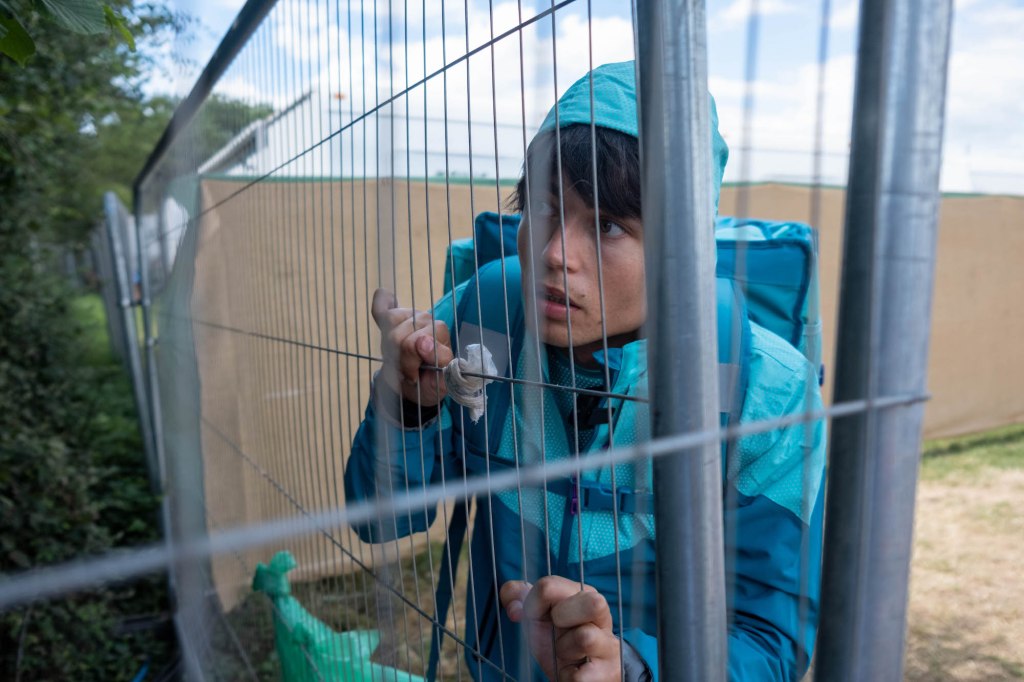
{"points": [[334, 52]]}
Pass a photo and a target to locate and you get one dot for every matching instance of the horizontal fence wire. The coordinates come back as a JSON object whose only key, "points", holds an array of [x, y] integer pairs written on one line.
{"points": [[345, 176], [376, 359], [131, 563]]}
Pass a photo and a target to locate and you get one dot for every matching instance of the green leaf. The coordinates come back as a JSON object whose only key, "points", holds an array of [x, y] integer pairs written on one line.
{"points": [[116, 23], [15, 42], [80, 16]]}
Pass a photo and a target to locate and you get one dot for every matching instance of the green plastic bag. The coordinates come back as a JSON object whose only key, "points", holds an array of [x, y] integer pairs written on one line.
{"points": [[309, 650]]}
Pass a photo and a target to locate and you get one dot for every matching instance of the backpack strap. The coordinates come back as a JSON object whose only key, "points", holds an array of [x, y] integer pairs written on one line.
{"points": [[733, 358], [457, 526]]}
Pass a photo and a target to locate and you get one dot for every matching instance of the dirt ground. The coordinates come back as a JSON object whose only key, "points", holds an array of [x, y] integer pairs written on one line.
{"points": [[966, 618]]}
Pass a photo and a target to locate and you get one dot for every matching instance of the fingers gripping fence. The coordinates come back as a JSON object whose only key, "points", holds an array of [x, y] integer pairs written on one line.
{"points": [[369, 215]]}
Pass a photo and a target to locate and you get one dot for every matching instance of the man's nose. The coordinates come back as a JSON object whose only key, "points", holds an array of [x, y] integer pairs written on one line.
{"points": [[565, 246]]}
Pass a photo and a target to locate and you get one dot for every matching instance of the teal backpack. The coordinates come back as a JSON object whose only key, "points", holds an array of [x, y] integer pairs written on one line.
{"points": [[774, 265], [766, 273]]}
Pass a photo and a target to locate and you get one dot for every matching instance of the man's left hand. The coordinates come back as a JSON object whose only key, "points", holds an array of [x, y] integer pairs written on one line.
{"points": [[568, 629]]}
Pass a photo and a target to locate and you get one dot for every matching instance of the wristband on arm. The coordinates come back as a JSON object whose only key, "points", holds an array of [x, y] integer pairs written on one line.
{"points": [[403, 413], [634, 668]]}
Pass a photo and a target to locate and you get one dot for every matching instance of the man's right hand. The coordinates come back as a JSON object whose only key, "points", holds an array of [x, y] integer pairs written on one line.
{"points": [[414, 346]]}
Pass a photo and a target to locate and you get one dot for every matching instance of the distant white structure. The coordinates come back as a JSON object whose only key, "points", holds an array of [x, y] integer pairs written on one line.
{"points": [[317, 135]]}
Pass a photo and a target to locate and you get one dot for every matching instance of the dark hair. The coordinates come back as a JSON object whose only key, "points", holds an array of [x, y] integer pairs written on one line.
{"points": [[618, 169]]}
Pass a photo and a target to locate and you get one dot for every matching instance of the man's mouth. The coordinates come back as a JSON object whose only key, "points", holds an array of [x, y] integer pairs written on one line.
{"points": [[555, 303], [556, 296]]}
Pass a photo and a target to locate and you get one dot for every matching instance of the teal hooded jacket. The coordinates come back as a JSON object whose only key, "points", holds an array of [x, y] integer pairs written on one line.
{"points": [[772, 481]]}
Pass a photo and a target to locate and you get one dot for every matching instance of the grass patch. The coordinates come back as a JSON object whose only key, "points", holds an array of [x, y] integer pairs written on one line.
{"points": [[999, 449], [89, 313], [964, 617]]}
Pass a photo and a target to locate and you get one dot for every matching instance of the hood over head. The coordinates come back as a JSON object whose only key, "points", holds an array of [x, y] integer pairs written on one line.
{"points": [[615, 107]]}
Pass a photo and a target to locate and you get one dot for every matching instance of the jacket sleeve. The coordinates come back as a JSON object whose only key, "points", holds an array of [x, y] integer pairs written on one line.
{"points": [[390, 458], [774, 587], [773, 520], [772, 526]]}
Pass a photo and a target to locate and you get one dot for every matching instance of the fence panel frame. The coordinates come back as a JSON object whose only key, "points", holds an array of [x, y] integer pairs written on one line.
{"points": [[884, 323]]}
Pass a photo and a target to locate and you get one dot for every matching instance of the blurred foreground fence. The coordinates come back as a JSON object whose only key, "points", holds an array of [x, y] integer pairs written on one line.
{"points": [[331, 149]]}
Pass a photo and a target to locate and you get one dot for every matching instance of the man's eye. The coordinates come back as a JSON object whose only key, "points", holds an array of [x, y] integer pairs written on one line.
{"points": [[612, 229]]}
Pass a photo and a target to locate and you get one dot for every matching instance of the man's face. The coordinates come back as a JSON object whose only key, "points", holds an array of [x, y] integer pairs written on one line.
{"points": [[563, 281]]}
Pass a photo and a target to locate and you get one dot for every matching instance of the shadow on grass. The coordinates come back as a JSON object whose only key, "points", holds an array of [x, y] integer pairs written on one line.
{"points": [[242, 644], [953, 651]]}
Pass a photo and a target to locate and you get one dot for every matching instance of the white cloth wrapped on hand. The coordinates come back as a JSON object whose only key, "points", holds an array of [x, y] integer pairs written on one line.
{"points": [[468, 391]]}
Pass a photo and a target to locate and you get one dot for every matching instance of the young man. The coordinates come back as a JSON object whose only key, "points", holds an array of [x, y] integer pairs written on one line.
{"points": [[572, 310]]}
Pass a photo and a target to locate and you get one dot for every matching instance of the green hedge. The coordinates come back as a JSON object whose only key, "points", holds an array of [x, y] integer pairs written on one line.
{"points": [[72, 482]]}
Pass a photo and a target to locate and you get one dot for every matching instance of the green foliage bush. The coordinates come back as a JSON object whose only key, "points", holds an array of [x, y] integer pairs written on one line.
{"points": [[72, 482], [74, 123]]}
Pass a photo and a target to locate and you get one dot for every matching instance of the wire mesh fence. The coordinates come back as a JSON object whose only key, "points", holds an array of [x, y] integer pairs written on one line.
{"points": [[429, 388]]}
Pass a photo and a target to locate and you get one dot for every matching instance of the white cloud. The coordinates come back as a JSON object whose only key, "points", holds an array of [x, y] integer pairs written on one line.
{"points": [[963, 4], [984, 109], [844, 18], [302, 47], [498, 86], [740, 11], [984, 120], [230, 6], [1001, 15], [784, 120]]}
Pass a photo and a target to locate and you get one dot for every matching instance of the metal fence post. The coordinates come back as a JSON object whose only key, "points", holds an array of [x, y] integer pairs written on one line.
{"points": [[103, 263], [117, 252], [682, 333], [885, 309], [150, 344]]}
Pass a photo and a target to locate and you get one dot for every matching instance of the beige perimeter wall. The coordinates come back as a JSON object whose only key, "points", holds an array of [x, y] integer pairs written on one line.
{"points": [[286, 347], [285, 272], [975, 373]]}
